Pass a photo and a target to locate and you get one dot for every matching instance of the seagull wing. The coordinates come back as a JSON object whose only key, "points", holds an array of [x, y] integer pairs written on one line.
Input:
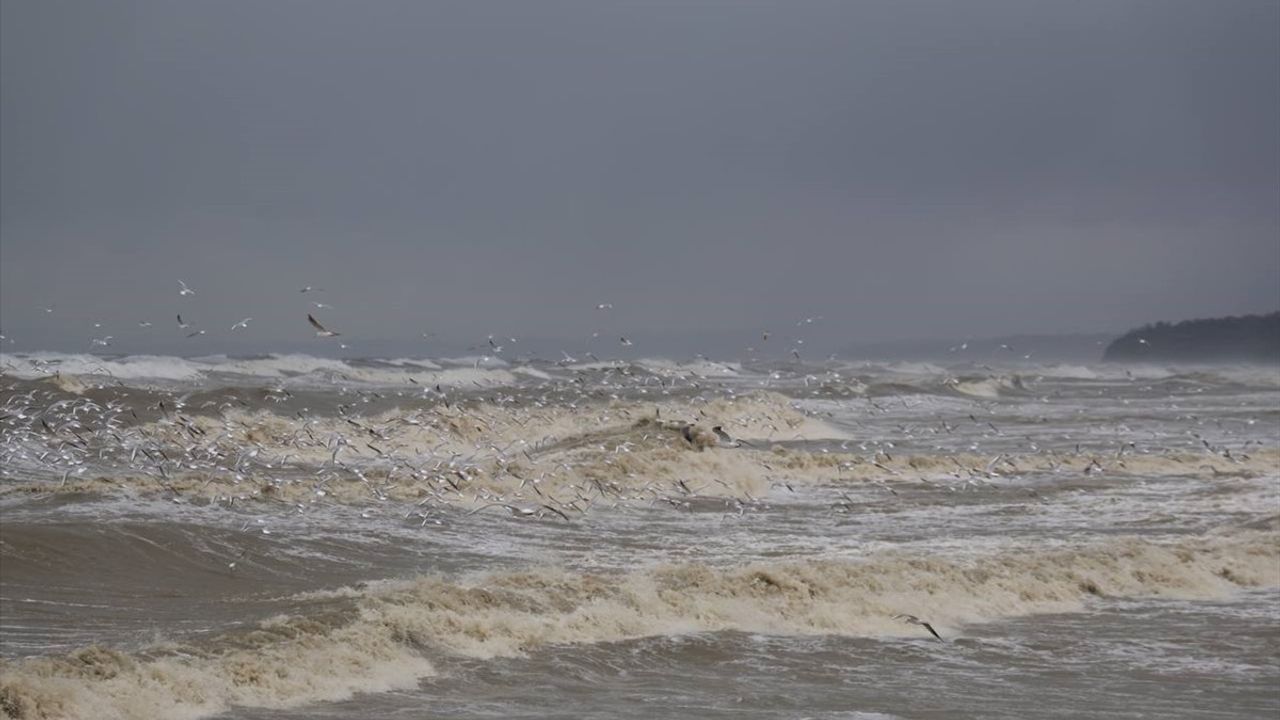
{"points": [[929, 627], [315, 323]]}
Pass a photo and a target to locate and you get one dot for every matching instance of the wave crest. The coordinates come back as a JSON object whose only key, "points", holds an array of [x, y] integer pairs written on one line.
{"points": [[291, 661]]}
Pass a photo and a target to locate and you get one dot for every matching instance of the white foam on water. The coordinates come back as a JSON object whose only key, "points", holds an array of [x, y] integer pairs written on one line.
{"points": [[133, 367]]}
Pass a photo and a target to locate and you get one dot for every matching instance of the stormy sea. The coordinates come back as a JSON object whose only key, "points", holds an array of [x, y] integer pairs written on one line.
{"points": [[286, 536]]}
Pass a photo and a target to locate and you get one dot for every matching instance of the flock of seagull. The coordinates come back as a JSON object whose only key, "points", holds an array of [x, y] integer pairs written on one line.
{"points": [[321, 331], [172, 442], [185, 290], [70, 436]]}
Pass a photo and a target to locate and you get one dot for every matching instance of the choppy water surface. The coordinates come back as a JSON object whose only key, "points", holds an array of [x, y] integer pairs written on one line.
{"points": [[290, 537]]}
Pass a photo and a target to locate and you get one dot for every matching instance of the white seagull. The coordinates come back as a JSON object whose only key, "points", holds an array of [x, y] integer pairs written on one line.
{"points": [[242, 324], [320, 329], [185, 290]]}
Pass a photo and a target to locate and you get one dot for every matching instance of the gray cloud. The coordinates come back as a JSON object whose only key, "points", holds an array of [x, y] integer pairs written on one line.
{"points": [[900, 168]]}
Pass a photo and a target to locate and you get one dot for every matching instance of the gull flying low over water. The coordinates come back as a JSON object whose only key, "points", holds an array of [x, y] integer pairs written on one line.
{"points": [[182, 325], [184, 290], [537, 512], [913, 620], [242, 324], [320, 329]]}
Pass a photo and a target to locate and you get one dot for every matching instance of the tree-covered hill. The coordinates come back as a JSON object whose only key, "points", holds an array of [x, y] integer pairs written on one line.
{"points": [[1253, 338]]}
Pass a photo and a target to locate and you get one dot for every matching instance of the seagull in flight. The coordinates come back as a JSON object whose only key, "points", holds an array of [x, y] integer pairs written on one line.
{"points": [[197, 333], [308, 289], [242, 324], [102, 341], [522, 512], [320, 329], [184, 289], [322, 306], [182, 325], [604, 306], [624, 341], [913, 620]]}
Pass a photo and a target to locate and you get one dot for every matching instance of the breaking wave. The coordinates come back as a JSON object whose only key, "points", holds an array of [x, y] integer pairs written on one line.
{"points": [[618, 450], [222, 370], [394, 635]]}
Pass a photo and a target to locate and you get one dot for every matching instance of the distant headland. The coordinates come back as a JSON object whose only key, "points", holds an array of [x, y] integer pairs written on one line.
{"points": [[1250, 338]]}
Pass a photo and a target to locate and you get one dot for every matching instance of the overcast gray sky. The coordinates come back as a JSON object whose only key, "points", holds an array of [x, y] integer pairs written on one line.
{"points": [[900, 168]]}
